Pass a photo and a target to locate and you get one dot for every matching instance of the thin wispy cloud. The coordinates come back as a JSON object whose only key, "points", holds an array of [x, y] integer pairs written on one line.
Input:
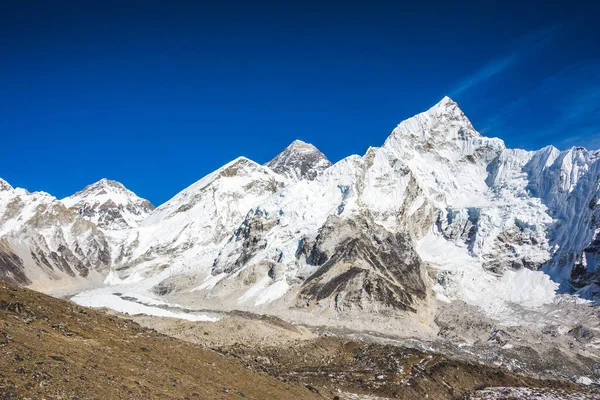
{"points": [[496, 67], [486, 73], [575, 91], [590, 141], [569, 100]]}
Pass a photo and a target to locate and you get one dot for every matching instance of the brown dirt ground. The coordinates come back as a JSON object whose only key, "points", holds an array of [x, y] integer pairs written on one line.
{"points": [[53, 349]]}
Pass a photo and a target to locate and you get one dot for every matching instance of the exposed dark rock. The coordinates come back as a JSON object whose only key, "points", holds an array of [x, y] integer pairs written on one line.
{"points": [[299, 161], [251, 234], [164, 288], [12, 268], [363, 268], [582, 334], [13, 307]]}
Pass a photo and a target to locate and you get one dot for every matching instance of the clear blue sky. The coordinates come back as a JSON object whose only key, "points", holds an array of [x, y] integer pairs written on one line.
{"points": [[156, 94]]}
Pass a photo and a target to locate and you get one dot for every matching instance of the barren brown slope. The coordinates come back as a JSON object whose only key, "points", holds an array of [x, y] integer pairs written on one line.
{"points": [[50, 348]]}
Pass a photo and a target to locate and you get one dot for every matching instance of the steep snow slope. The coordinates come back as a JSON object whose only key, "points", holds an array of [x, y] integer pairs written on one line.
{"points": [[299, 161], [187, 231], [109, 205]]}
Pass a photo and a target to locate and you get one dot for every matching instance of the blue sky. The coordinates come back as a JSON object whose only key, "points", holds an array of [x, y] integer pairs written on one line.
{"points": [[157, 94]]}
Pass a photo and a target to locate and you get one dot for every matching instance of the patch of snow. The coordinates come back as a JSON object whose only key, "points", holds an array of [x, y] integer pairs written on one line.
{"points": [[103, 298], [584, 380], [255, 290], [210, 282], [272, 292]]}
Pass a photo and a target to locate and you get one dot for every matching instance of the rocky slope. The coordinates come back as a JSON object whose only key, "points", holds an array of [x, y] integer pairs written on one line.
{"points": [[53, 349]]}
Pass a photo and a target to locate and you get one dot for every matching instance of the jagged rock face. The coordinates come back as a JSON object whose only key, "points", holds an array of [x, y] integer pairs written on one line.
{"points": [[41, 240], [299, 161], [109, 205], [501, 239], [361, 265]]}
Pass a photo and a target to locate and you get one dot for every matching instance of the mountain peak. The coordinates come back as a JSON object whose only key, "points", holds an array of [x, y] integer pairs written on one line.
{"points": [[447, 106], [300, 160], [445, 122], [109, 204], [446, 101], [299, 144], [106, 183]]}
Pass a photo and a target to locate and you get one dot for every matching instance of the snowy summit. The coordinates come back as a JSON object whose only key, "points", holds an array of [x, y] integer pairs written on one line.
{"points": [[110, 205]]}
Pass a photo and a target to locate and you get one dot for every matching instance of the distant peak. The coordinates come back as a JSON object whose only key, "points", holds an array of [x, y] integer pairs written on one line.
{"points": [[104, 182], [240, 165], [103, 188], [240, 160], [109, 204], [444, 123], [447, 111], [578, 148], [299, 160], [301, 146], [243, 159]]}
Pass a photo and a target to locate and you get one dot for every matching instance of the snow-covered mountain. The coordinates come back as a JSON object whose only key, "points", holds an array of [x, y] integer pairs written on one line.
{"points": [[189, 229], [438, 213], [109, 205], [47, 246]]}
